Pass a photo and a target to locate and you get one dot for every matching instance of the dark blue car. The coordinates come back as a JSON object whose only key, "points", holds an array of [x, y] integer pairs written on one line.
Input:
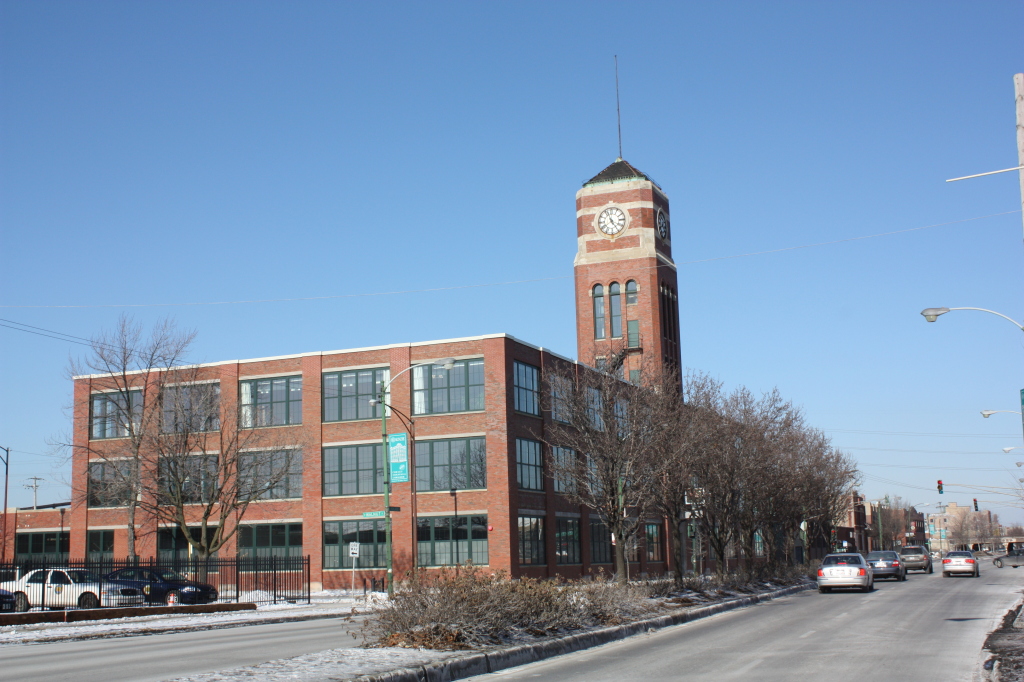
{"points": [[6, 601], [166, 586]]}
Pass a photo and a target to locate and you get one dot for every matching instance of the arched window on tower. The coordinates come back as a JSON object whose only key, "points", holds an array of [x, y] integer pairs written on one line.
{"points": [[598, 311], [631, 292], [615, 304]]}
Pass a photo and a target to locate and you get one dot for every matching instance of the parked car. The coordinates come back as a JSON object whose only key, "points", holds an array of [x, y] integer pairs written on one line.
{"points": [[165, 586], [887, 564], [7, 601], [960, 562], [69, 587], [845, 570], [916, 558], [1014, 558]]}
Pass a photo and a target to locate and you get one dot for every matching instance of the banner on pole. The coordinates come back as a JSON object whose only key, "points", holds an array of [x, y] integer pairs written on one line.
{"points": [[398, 455]]}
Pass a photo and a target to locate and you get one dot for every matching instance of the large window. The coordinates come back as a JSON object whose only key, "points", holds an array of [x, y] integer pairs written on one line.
{"points": [[172, 545], [531, 541], [529, 464], [567, 541], [353, 470], [190, 408], [369, 534], [111, 414], [101, 545], [632, 333], [270, 539], [449, 540], [43, 547], [561, 388], [600, 543], [654, 552], [448, 464], [615, 306], [271, 474], [347, 395], [598, 311], [109, 483], [271, 402], [526, 384], [187, 479], [631, 292], [436, 389], [564, 464]]}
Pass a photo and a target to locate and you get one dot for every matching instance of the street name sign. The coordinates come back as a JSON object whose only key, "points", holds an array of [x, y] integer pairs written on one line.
{"points": [[373, 514]]}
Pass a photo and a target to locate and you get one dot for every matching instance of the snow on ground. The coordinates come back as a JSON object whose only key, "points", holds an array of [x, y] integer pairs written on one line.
{"points": [[325, 604], [333, 664]]}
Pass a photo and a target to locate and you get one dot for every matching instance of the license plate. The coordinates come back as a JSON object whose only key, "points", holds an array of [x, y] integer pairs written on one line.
{"points": [[880, 564]]}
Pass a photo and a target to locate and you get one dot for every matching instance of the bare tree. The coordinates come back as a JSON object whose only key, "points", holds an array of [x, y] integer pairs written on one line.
{"points": [[620, 434], [131, 366]]}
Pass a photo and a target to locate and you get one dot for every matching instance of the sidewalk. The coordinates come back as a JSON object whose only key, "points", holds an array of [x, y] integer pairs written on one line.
{"points": [[325, 604]]}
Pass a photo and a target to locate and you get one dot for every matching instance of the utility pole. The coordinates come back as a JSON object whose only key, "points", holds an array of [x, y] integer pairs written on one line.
{"points": [[34, 487], [7, 475]]}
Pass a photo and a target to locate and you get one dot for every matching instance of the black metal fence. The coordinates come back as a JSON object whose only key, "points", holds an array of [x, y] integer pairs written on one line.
{"points": [[84, 583]]}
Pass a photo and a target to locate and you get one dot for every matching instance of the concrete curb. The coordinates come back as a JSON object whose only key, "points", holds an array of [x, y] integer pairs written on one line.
{"points": [[510, 657], [74, 615]]}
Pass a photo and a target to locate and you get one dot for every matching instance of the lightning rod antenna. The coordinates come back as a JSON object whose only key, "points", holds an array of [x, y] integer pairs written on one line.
{"points": [[618, 111]]}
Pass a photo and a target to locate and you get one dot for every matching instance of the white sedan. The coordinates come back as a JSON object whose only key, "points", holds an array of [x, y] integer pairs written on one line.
{"points": [[69, 588]]}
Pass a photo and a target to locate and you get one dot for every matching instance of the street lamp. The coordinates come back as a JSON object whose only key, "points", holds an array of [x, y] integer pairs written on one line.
{"points": [[988, 413], [931, 314], [1008, 450], [448, 364]]}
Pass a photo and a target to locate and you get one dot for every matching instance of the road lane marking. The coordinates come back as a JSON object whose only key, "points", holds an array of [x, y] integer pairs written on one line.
{"points": [[748, 667], [807, 634]]}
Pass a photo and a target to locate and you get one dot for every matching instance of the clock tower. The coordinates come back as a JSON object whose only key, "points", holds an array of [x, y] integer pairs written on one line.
{"points": [[627, 307]]}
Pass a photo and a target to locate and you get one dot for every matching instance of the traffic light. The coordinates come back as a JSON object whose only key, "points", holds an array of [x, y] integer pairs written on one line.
{"points": [[975, 504], [940, 486]]}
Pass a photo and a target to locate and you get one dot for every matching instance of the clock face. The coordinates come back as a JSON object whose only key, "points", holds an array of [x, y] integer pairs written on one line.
{"points": [[663, 224], [611, 221]]}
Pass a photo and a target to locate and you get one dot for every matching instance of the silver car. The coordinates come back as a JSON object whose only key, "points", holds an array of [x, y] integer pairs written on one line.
{"points": [[960, 562], [1015, 558], [845, 570]]}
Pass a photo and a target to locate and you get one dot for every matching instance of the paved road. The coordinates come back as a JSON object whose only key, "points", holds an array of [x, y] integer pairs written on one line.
{"points": [[161, 657], [928, 628]]}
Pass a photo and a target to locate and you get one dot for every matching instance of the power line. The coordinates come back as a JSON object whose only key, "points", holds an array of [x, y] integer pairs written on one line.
{"points": [[924, 434], [929, 452], [508, 283]]}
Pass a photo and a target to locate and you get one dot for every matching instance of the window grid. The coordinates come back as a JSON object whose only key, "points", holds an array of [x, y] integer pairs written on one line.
{"points": [[51, 547], [654, 551], [347, 395], [529, 464], [173, 546], [353, 470], [109, 414], [369, 534], [190, 408], [526, 387], [438, 390], [270, 539], [564, 460], [567, 541], [632, 333], [451, 464], [108, 484], [271, 402], [615, 305], [631, 292], [598, 311], [257, 469], [531, 541], [101, 545], [435, 547], [600, 543]]}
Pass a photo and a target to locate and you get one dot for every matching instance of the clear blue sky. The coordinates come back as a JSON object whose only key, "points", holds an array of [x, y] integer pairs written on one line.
{"points": [[168, 153]]}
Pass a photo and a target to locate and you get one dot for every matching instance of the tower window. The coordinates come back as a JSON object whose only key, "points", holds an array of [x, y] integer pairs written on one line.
{"points": [[615, 301], [631, 292], [598, 311]]}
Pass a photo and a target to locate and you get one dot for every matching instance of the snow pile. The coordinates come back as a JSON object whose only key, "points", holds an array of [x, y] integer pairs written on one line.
{"points": [[333, 664]]}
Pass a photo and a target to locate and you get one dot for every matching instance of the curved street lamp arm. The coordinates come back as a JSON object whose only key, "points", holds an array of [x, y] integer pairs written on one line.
{"points": [[986, 310]]}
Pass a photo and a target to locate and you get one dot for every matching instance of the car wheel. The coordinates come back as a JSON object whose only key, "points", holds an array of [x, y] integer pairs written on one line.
{"points": [[903, 579], [823, 590], [88, 601], [930, 569], [870, 588], [945, 574], [21, 602], [172, 598], [999, 563]]}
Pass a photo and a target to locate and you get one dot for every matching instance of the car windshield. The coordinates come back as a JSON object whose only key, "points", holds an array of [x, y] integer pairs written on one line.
{"points": [[842, 560], [168, 575], [83, 577]]}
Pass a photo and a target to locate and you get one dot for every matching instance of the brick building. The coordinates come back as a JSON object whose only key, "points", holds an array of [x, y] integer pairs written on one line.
{"points": [[477, 428]]}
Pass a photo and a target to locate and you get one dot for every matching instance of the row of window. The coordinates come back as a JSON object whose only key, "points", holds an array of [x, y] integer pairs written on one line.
{"points": [[277, 401], [440, 541], [612, 311], [458, 464]]}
